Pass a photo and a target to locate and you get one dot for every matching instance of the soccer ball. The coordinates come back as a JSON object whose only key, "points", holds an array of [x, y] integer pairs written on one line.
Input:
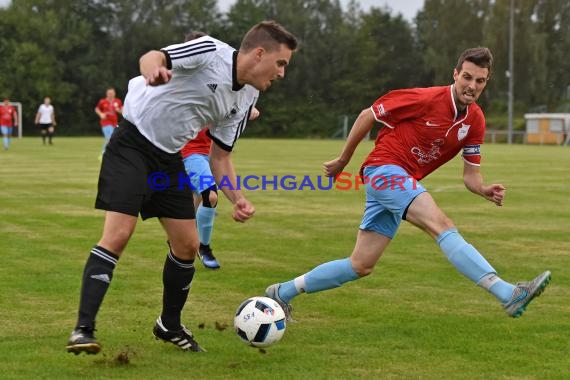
{"points": [[260, 321]]}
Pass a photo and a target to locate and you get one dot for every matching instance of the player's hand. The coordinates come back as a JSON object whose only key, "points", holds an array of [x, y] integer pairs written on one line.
{"points": [[243, 210], [254, 114], [495, 193], [334, 167], [158, 76]]}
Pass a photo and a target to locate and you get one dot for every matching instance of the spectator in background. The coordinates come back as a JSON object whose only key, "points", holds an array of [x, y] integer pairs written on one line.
{"points": [[45, 118], [8, 119], [108, 110]]}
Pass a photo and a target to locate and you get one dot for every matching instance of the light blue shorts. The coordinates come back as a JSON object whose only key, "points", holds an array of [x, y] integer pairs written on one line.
{"points": [[6, 131], [389, 192], [107, 131], [198, 169]]}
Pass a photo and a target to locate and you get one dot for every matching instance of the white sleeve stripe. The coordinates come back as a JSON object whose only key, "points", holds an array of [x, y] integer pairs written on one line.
{"points": [[470, 163]]}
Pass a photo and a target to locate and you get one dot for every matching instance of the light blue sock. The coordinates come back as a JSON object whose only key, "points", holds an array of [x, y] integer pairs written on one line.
{"points": [[6, 142], [205, 222], [326, 276], [469, 261]]}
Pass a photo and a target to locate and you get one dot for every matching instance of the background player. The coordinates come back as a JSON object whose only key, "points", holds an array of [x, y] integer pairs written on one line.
{"points": [[196, 157], [108, 109], [45, 118], [8, 119]]}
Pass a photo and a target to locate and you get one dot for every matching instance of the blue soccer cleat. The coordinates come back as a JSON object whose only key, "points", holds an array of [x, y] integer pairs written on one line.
{"points": [[207, 256], [526, 292]]}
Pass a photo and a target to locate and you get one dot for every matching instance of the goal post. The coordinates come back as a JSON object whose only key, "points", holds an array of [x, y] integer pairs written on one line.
{"points": [[18, 106]]}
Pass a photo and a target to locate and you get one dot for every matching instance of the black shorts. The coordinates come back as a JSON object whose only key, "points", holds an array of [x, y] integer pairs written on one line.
{"points": [[137, 177], [45, 126]]}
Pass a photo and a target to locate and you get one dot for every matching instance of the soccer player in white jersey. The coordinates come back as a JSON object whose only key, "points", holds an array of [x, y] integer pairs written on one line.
{"points": [[424, 129], [45, 118], [183, 88]]}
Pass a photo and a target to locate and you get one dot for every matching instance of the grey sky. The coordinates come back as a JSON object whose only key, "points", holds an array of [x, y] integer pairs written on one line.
{"points": [[408, 8]]}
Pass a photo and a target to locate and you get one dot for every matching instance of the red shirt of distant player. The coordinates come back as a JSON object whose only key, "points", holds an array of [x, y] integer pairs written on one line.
{"points": [[109, 108], [7, 113], [423, 130], [199, 145]]}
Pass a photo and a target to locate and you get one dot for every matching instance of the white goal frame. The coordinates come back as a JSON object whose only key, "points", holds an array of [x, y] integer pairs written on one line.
{"points": [[18, 106]]}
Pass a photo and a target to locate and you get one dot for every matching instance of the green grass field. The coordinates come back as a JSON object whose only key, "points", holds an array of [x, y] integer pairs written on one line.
{"points": [[415, 317]]}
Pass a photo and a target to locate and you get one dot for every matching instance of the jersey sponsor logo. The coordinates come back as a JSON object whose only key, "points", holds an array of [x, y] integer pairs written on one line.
{"points": [[212, 87], [381, 110], [431, 124], [433, 154], [462, 132]]}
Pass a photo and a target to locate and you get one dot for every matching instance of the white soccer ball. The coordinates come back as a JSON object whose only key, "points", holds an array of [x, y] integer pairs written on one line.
{"points": [[260, 321]]}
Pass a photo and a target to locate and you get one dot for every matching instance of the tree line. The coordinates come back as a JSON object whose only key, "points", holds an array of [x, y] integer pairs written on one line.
{"points": [[73, 50]]}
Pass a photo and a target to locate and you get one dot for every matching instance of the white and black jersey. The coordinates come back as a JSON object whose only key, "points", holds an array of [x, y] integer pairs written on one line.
{"points": [[203, 90], [46, 114]]}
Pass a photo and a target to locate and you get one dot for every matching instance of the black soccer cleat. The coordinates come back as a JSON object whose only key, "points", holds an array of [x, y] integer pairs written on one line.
{"points": [[83, 340], [182, 338]]}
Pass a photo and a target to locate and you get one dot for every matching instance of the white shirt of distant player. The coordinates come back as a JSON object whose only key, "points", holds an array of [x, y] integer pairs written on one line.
{"points": [[203, 90], [46, 113]]}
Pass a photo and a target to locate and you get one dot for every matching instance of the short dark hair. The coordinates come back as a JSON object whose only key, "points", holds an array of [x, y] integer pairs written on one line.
{"points": [[193, 35], [480, 56], [269, 35]]}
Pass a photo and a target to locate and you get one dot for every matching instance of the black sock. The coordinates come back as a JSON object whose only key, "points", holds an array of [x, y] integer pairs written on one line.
{"points": [[97, 277], [50, 135], [176, 278], [44, 139]]}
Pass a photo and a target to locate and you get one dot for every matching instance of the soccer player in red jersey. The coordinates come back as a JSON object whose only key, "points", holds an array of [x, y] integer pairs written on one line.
{"points": [[196, 157], [8, 118], [108, 110], [424, 129]]}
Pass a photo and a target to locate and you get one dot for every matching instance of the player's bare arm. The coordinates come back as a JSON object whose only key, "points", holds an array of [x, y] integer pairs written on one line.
{"points": [[359, 131], [473, 181], [99, 113], [153, 68], [223, 169]]}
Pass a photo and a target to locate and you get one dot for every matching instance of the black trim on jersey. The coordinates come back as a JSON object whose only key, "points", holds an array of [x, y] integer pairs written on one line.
{"points": [[240, 128], [168, 60], [225, 147], [190, 49], [235, 85]]}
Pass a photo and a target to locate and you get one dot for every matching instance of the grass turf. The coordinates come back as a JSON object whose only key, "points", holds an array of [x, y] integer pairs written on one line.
{"points": [[415, 317]]}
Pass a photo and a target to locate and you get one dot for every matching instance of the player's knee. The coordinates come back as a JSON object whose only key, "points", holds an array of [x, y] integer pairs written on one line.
{"points": [[210, 197], [213, 196], [117, 241], [187, 251]]}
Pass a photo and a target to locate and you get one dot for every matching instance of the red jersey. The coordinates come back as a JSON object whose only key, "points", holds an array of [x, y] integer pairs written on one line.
{"points": [[109, 108], [423, 130], [7, 113], [200, 145]]}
